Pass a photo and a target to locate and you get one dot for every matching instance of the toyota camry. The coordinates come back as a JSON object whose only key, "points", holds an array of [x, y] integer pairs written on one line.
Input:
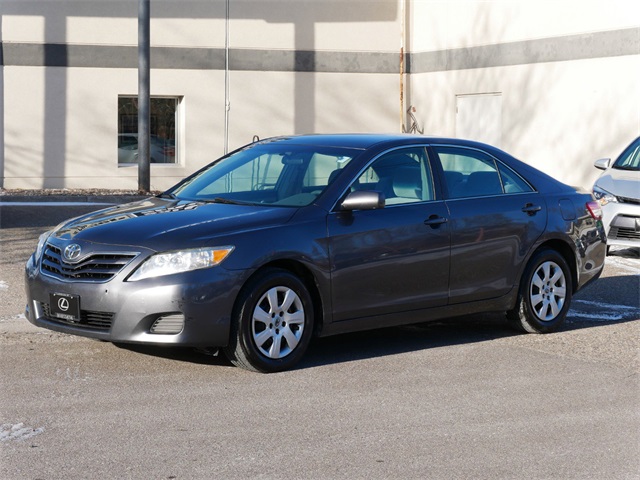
{"points": [[294, 237]]}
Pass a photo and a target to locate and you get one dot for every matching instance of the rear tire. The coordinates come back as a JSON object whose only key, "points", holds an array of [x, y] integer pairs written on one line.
{"points": [[272, 323], [545, 294]]}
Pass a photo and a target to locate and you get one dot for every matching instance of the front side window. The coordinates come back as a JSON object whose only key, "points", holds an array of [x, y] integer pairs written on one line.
{"points": [[402, 175], [163, 127], [267, 174]]}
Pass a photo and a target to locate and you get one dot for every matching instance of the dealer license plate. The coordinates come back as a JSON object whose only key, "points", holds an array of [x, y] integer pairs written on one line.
{"points": [[65, 306]]}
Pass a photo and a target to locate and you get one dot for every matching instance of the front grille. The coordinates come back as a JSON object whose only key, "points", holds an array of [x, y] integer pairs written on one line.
{"points": [[634, 201], [100, 321], [622, 233], [94, 268]]}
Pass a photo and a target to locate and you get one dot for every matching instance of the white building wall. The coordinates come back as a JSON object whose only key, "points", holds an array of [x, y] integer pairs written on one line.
{"points": [[446, 24], [61, 122], [301, 66], [560, 115]]}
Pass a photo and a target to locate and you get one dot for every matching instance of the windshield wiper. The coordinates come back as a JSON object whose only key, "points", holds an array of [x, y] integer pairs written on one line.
{"points": [[226, 201], [167, 195]]}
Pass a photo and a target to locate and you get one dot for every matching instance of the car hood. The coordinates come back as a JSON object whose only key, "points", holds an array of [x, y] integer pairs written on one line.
{"points": [[163, 224], [621, 183]]}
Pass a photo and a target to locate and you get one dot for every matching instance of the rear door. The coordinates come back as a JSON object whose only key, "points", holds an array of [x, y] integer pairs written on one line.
{"points": [[495, 218]]}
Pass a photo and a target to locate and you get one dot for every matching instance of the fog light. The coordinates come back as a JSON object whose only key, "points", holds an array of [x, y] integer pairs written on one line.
{"points": [[168, 324]]}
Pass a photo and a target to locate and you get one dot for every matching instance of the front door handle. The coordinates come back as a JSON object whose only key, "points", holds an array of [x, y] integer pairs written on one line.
{"points": [[435, 221], [531, 209]]}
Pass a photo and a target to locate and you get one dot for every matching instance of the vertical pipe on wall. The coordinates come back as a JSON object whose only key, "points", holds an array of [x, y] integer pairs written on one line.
{"points": [[227, 102], [402, 45], [144, 94]]}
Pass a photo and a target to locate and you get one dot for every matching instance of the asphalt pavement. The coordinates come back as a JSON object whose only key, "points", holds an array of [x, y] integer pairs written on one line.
{"points": [[460, 399]]}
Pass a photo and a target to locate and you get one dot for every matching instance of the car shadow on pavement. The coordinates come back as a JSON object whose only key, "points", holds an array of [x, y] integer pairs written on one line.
{"points": [[179, 354], [624, 252], [404, 339], [592, 313], [610, 300]]}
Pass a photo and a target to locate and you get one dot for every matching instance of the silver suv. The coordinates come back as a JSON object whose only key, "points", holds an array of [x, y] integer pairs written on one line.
{"points": [[618, 192]]}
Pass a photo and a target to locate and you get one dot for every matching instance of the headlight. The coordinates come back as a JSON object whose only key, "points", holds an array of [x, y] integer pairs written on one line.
{"points": [[180, 261], [603, 196], [41, 243]]}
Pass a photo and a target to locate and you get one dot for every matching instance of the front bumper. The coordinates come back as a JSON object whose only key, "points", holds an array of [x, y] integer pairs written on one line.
{"points": [[198, 306], [622, 224]]}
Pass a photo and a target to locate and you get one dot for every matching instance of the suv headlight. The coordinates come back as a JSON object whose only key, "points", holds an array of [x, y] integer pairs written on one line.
{"points": [[169, 263], [603, 196]]}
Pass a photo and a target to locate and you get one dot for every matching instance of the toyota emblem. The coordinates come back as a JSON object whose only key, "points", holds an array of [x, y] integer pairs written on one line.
{"points": [[72, 252]]}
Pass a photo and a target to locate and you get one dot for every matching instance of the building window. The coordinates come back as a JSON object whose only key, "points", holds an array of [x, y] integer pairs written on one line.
{"points": [[163, 126]]}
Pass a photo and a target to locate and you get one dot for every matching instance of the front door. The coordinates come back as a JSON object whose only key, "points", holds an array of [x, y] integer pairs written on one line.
{"points": [[393, 259]]}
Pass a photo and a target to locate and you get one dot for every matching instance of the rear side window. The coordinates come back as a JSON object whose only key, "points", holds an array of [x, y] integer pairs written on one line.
{"points": [[471, 173]]}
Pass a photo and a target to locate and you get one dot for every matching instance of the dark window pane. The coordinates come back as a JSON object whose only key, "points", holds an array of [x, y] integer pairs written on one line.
{"points": [[162, 126]]}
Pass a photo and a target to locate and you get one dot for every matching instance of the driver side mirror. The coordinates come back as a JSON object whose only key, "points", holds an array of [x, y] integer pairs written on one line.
{"points": [[363, 200], [602, 164]]}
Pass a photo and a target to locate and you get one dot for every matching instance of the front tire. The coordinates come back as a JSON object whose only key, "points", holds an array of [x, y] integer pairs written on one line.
{"points": [[272, 323], [545, 294]]}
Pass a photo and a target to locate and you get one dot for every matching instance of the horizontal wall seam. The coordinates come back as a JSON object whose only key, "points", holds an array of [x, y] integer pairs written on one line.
{"points": [[574, 47]]}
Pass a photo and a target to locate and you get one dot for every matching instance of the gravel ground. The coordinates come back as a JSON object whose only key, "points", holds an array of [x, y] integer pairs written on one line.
{"points": [[46, 192], [78, 195]]}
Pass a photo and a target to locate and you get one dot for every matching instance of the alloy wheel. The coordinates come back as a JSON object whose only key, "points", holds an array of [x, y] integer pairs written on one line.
{"points": [[548, 291], [278, 322]]}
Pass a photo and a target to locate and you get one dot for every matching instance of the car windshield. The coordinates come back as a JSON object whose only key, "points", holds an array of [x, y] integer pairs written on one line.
{"points": [[267, 174], [630, 158]]}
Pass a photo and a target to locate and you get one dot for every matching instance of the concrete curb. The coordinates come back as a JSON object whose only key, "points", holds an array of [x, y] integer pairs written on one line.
{"points": [[114, 199]]}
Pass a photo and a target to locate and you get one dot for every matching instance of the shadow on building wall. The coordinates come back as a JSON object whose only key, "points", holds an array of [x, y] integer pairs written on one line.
{"points": [[303, 15]]}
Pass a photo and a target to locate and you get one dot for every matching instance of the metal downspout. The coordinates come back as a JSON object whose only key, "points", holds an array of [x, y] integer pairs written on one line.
{"points": [[227, 96], [402, 45]]}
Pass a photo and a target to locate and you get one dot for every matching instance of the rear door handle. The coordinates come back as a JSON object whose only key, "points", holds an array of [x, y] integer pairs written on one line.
{"points": [[435, 220], [531, 209]]}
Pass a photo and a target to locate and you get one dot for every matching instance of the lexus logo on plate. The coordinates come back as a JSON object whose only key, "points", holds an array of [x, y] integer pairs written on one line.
{"points": [[72, 252], [63, 304]]}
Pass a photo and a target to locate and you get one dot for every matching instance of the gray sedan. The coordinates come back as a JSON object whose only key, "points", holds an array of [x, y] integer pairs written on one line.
{"points": [[294, 237]]}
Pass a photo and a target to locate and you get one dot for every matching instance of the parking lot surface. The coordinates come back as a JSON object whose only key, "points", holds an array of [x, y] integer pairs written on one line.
{"points": [[466, 398]]}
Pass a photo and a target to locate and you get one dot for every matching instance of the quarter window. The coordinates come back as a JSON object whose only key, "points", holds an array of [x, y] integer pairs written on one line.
{"points": [[513, 183], [163, 127]]}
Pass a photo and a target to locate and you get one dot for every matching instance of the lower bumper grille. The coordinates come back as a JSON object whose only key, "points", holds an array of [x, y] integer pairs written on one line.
{"points": [[621, 233], [99, 321]]}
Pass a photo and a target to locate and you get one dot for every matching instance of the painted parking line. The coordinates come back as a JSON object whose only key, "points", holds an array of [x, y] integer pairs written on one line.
{"points": [[603, 312]]}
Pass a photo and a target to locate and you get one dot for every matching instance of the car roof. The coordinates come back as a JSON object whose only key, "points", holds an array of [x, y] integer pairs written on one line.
{"points": [[379, 142], [368, 140]]}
